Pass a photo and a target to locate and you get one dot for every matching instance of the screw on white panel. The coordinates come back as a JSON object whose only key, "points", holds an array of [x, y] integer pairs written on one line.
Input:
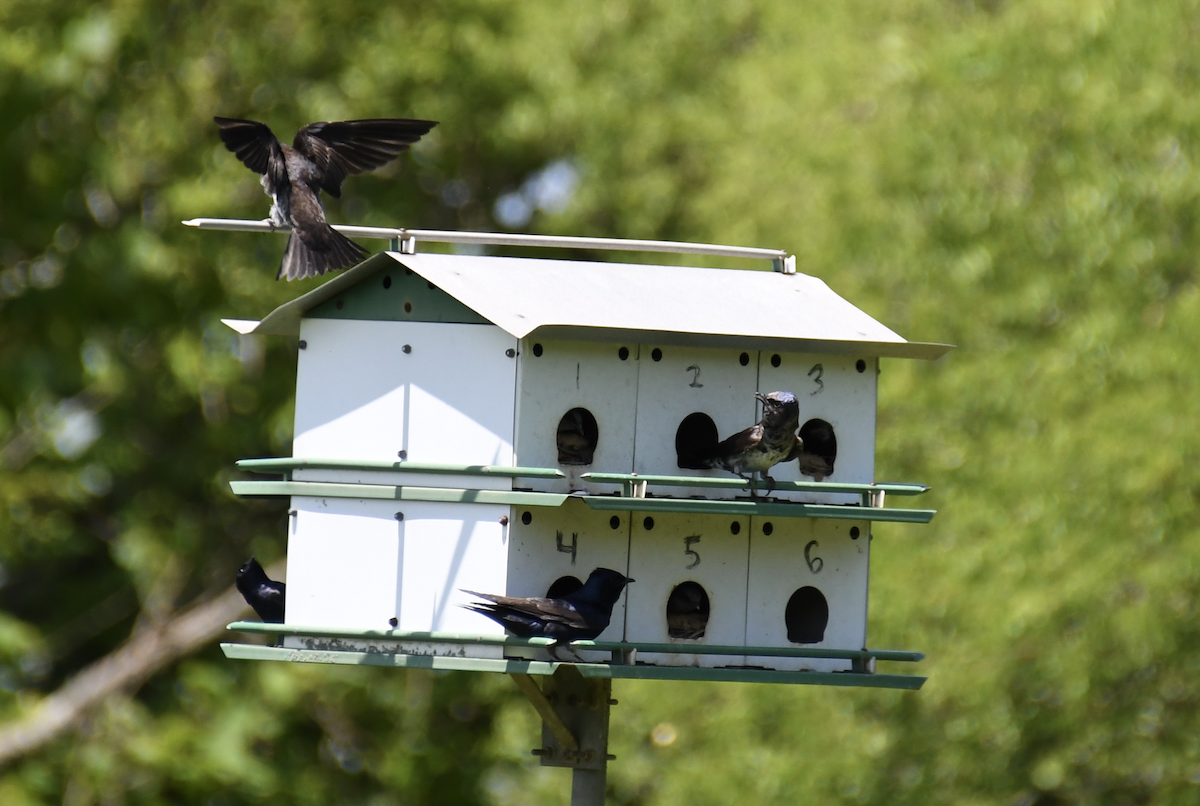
{"points": [[406, 349], [302, 344]]}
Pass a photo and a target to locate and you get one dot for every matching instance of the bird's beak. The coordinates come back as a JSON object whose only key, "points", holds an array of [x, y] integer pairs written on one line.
{"points": [[629, 579], [759, 396]]}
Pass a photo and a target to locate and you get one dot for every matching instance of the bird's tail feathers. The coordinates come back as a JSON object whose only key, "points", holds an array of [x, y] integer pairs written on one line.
{"points": [[329, 250]]}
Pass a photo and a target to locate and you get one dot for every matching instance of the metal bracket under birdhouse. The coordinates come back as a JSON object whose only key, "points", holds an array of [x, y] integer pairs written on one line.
{"points": [[574, 712], [575, 717]]}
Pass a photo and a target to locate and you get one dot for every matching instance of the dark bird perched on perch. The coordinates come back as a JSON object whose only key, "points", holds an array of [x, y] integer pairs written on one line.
{"points": [[265, 595], [320, 157], [764, 445], [577, 616], [816, 450]]}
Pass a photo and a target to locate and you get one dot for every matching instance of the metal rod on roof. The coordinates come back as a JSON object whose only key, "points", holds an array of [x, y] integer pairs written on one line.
{"points": [[511, 239]]}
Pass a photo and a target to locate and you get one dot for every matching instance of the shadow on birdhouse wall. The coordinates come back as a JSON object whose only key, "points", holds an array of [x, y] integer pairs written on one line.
{"points": [[577, 437], [806, 616], [696, 441]]}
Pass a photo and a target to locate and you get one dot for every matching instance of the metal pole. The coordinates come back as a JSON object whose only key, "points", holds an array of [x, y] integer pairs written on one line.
{"points": [[588, 786]]}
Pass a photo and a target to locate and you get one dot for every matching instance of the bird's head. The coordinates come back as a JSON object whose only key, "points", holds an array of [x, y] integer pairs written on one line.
{"points": [[607, 583], [779, 408], [251, 569]]}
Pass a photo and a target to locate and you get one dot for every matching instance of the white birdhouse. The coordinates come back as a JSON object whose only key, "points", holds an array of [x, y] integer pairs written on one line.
{"points": [[507, 425]]}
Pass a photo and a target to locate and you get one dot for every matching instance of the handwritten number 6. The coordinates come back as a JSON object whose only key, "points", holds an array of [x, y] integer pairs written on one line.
{"points": [[815, 564]]}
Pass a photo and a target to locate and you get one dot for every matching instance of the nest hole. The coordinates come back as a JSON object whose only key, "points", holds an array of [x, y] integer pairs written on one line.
{"points": [[563, 586], [820, 449], [806, 616], [696, 441], [577, 437], [687, 611]]}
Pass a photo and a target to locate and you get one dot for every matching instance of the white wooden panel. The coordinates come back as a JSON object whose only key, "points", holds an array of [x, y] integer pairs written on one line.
{"points": [[344, 563], [567, 375], [448, 547], [450, 399], [352, 564], [686, 380], [836, 565], [659, 560], [571, 540], [830, 388]]}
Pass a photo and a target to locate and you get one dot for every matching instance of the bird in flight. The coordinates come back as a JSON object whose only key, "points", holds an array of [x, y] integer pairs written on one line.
{"points": [[265, 595], [763, 445], [320, 157], [581, 615]]}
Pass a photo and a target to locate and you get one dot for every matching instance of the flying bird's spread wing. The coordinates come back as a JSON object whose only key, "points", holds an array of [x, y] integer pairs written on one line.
{"points": [[255, 145], [353, 146]]}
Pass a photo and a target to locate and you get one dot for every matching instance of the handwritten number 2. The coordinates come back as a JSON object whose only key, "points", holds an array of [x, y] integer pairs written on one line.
{"points": [[820, 370], [695, 384]]}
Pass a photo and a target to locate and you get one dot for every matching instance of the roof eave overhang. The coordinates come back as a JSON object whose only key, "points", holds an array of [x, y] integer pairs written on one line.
{"points": [[285, 321]]}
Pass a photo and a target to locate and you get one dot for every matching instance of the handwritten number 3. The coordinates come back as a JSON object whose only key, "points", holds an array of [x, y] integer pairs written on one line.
{"points": [[820, 370]]}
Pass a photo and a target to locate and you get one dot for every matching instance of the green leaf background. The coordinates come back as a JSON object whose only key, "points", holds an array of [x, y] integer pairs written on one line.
{"points": [[1010, 176]]}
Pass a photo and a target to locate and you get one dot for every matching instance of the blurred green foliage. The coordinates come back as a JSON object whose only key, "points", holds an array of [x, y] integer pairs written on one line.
{"points": [[1014, 177]]}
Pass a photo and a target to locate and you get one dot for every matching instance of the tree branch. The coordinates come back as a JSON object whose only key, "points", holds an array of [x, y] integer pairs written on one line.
{"points": [[141, 656]]}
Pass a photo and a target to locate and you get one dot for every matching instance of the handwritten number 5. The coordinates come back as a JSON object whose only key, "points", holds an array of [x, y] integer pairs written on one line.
{"points": [[687, 549]]}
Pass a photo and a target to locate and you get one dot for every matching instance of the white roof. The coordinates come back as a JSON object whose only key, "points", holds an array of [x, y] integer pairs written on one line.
{"points": [[625, 301]]}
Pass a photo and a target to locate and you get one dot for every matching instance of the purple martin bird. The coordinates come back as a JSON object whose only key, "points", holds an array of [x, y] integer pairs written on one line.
{"points": [[581, 615], [265, 595], [763, 445], [320, 157]]}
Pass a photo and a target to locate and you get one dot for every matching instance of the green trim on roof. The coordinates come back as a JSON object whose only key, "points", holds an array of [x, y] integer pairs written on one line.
{"points": [[368, 299]]}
